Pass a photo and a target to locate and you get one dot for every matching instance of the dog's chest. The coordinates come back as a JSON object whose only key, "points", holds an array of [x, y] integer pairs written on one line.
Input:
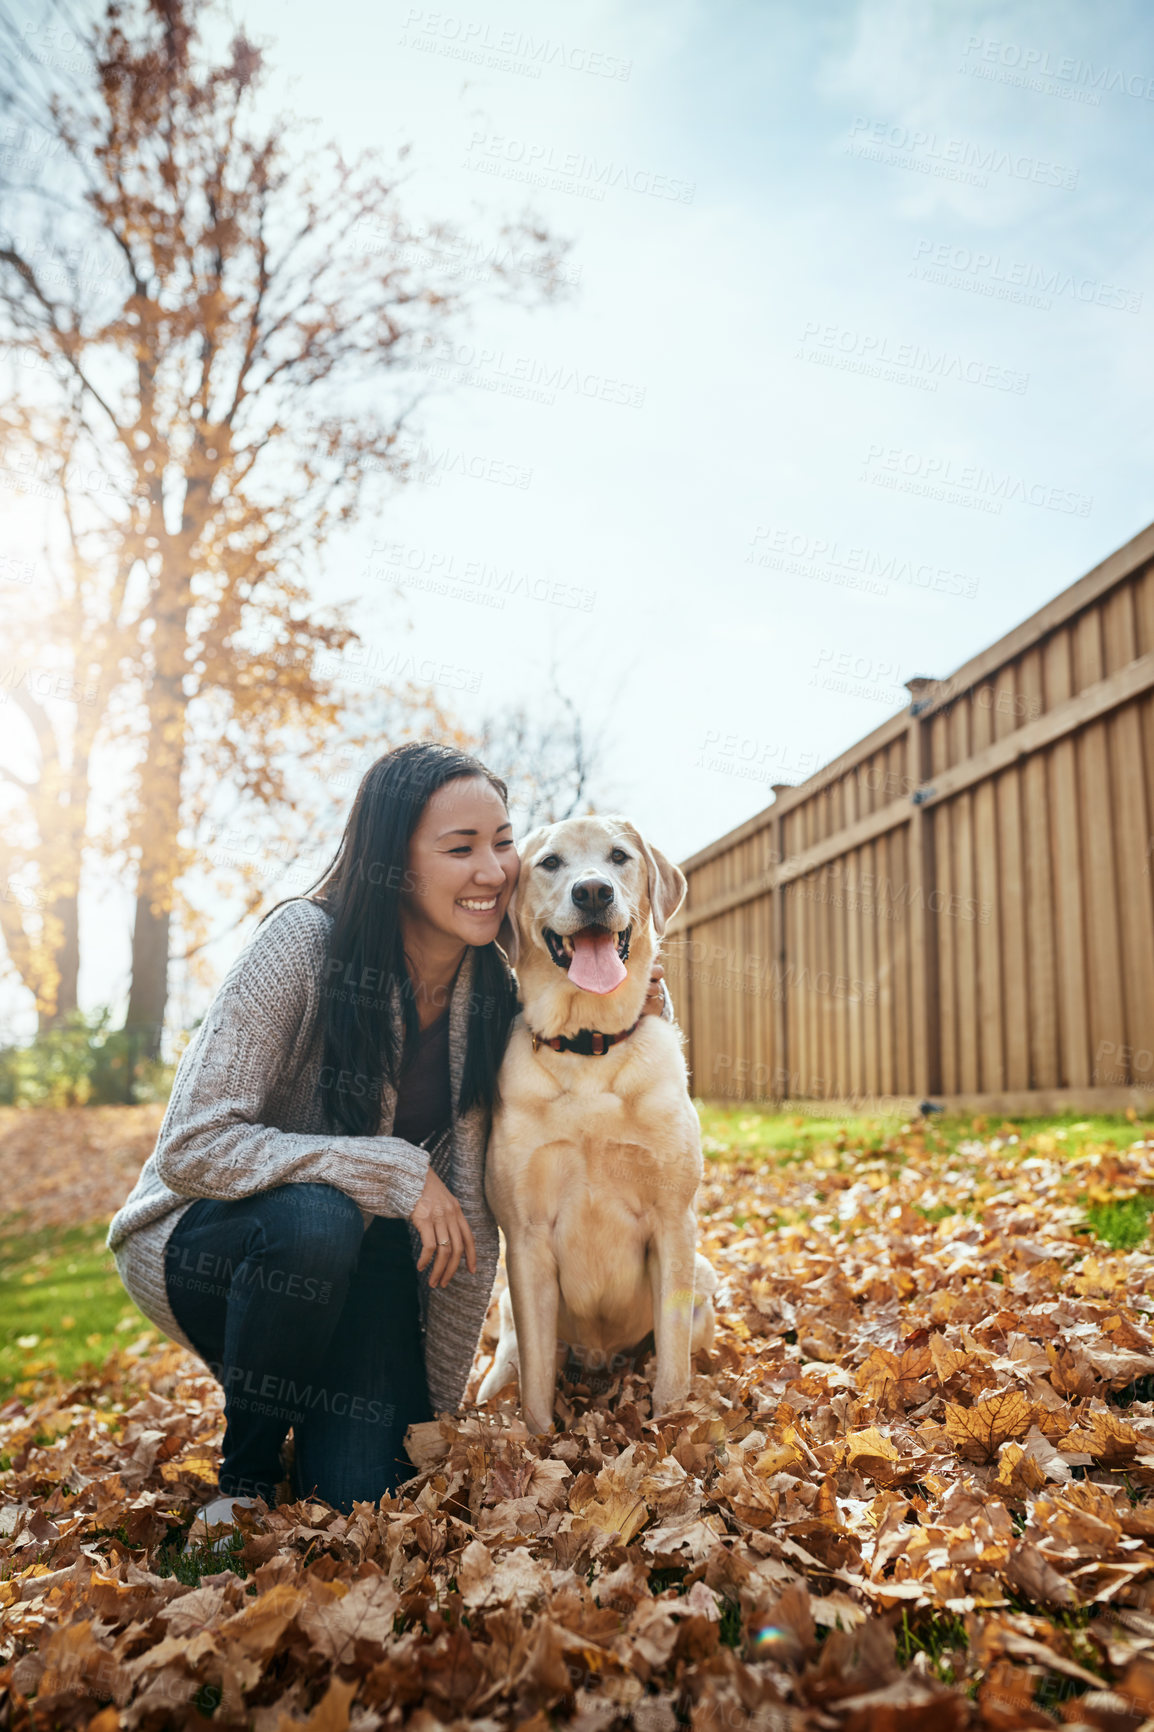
{"points": [[607, 1161]]}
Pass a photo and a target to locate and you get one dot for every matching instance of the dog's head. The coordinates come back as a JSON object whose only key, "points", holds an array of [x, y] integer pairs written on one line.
{"points": [[591, 902]]}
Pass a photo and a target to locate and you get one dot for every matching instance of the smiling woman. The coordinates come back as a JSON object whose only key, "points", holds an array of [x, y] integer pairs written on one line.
{"points": [[312, 1221]]}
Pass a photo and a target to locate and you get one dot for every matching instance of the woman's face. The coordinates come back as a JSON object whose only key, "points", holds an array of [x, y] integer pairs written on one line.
{"points": [[462, 863]]}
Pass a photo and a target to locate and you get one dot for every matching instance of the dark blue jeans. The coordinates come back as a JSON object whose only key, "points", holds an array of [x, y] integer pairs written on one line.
{"points": [[307, 1319]]}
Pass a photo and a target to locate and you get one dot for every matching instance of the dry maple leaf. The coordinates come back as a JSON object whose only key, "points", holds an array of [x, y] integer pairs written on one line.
{"points": [[978, 1432], [610, 1506], [863, 1448], [361, 1617], [1109, 1441], [1019, 1473]]}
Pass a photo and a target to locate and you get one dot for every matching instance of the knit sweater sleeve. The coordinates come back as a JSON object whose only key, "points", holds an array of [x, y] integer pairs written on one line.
{"points": [[215, 1141]]}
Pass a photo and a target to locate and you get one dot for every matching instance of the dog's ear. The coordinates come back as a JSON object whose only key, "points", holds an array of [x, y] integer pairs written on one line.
{"points": [[667, 882], [509, 937]]}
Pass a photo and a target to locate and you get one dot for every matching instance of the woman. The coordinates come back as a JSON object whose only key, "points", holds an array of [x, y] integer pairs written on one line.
{"points": [[312, 1222]]}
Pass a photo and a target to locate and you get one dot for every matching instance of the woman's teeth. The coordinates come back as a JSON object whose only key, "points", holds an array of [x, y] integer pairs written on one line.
{"points": [[481, 907]]}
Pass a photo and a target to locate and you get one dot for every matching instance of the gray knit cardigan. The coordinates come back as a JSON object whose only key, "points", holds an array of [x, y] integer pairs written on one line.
{"points": [[246, 1114]]}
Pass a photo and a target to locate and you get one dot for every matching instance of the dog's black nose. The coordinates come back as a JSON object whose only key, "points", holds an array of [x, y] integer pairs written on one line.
{"points": [[592, 893]]}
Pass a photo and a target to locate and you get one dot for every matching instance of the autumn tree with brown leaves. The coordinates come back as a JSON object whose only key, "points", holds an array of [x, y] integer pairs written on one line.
{"points": [[212, 326]]}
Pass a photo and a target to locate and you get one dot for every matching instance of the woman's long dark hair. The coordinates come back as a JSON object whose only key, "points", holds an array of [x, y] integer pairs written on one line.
{"points": [[361, 888]]}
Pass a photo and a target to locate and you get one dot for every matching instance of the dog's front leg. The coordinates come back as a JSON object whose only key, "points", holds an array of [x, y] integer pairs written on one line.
{"points": [[533, 1288], [671, 1269]]}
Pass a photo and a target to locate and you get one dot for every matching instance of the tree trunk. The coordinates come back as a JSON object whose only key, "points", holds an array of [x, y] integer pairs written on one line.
{"points": [[162, 859], [148, 997], [63, 923]]}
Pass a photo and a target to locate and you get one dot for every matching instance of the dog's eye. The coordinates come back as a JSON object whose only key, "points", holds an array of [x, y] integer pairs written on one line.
{"points": [[550, 862], [619, 856]]}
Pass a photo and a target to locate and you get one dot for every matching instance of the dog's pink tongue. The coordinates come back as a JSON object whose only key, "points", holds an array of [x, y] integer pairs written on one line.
{"points": [[596, 966]]}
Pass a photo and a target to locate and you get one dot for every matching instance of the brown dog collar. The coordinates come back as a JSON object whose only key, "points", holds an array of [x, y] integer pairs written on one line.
{"points": [[589, 1042]]}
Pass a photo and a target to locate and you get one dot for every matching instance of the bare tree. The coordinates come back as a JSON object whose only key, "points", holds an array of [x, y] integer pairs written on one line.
{"points": [[547, 754]]}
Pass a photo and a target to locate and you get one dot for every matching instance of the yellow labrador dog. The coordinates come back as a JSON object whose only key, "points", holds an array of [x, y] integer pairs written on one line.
{"points": [[595, 1152]]}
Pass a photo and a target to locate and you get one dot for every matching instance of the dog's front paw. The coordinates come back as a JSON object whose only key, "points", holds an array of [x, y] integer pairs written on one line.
{"points": [[667, 1397]]}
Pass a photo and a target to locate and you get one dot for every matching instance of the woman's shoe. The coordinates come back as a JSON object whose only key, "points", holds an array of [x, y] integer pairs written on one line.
{"points": [[215, 1523]]}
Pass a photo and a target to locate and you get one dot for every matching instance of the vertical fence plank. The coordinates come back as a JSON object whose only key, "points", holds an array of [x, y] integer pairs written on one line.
{"points": [[1135, 892], [1041, 983], [965, 942], [947, 948], [985, 918], [1065, 854], [1010, 898], [887, 966], [922, 1014], [904, 1082], [871, 922]]}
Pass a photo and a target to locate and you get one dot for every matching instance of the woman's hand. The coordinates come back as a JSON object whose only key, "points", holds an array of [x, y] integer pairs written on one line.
{"points": [[445, 1233], [655, 997]]}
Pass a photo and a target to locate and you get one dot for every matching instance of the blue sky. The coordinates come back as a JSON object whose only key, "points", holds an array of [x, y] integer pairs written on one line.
{"points": [[875, 283]]}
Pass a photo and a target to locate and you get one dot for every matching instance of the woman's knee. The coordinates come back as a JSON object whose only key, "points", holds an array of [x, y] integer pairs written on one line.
{"points": [[314, 1224]]}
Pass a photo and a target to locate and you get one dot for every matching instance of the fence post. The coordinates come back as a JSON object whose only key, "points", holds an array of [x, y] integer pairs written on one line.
{"points": [[924, 1005], [777, 929]]}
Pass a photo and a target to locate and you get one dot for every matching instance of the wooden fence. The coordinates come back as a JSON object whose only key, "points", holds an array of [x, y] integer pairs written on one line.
{"points": [[962, 906]]}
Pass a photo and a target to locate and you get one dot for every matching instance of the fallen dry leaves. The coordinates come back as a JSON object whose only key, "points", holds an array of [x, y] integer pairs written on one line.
{"points": [[67, 1166], [911, 1487]]}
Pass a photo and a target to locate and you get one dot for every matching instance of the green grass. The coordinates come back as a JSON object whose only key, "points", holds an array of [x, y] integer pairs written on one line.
{"points": [[939, 1635], [730, 1627], [1122, 1223], [748, 1131], [60, 1286], [172, 1560], [751, 1132]]}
